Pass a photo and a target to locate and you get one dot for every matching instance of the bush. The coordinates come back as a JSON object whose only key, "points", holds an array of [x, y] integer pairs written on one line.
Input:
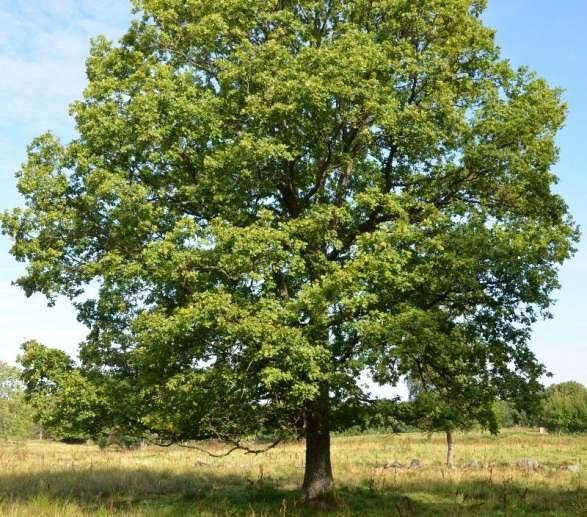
{"points": [[117, 438], [74, 440], [564, 408]]}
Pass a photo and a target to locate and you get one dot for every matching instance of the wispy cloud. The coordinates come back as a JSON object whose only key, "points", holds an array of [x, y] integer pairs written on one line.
{"points": [[43, 46]]}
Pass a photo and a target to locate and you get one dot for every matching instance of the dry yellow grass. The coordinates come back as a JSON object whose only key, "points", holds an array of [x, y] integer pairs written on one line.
{"points": [[496, 476]]}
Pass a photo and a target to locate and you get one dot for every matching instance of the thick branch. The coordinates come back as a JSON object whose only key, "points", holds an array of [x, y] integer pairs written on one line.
{"points": [[388, 170]]}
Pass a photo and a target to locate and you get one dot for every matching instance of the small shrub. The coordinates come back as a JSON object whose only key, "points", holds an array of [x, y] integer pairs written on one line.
{"points": [[564, 408]]}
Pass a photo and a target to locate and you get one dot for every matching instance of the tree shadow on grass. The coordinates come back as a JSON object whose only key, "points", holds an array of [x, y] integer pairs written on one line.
{"points": [[161, 492]]}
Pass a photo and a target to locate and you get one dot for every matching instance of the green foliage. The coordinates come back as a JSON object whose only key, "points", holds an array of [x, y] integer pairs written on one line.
{"points": [[65, 402], [441, 404], [118, 439], [433, 412], [379, 415], [509, 414], [394, 415], [273, 198], [16, 416], [564, 407]]}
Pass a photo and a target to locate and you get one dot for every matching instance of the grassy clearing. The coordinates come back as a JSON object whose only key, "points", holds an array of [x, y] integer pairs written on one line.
{"points": [[49, 479]]}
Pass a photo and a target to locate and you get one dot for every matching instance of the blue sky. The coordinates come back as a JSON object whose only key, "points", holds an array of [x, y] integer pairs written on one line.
{"points": [[43, 44]]}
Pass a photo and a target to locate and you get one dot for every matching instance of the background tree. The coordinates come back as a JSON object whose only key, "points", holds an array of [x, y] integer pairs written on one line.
{"points": [[564, 407], [16, 417], [465, 392], [509, 414], [433, 410], [73, 404], [274, 197], [66, 404]]}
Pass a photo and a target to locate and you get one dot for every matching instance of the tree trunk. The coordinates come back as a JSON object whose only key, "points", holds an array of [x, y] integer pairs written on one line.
{"points": [[318, 480], [449, 450]]}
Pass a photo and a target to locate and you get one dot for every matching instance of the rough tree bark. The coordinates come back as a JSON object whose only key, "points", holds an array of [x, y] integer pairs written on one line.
{"points": [[318, 479], [449, 450]]}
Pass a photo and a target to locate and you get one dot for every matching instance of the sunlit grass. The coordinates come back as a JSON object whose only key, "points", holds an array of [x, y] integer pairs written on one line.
{"points": [[52, 479]]}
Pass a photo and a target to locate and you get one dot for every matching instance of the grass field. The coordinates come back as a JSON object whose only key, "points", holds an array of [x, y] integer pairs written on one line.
{"points": [[516, 473]]}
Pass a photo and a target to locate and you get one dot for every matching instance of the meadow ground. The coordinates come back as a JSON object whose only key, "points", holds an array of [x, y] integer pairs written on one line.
{"points": [[519, 472]]}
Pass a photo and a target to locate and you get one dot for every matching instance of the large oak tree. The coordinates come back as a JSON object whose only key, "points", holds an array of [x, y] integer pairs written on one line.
{"points": [[269, 198]]}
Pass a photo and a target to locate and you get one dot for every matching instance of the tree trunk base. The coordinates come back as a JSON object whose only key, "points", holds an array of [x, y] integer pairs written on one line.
{"points": [[318, 486], [450, 456], [324, 498]]}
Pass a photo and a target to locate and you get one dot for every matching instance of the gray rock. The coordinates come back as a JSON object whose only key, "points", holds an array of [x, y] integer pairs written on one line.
{"points": [[415, 464], [394, 465], [528, 464], [474, 464]]}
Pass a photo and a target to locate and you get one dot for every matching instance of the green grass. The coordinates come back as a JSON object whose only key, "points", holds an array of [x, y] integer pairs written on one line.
{"points": [[51, 479]]}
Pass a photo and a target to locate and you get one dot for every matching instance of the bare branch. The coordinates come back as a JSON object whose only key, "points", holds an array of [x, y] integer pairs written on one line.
{"points": [[236, 446]]}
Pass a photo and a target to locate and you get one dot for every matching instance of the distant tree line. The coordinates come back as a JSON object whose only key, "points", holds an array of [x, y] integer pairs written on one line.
{"points": [[560, 408]]}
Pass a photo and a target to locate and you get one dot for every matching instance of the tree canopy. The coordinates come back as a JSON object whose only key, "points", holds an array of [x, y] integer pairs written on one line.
{"points": [[564, 407], [267, 199]]}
